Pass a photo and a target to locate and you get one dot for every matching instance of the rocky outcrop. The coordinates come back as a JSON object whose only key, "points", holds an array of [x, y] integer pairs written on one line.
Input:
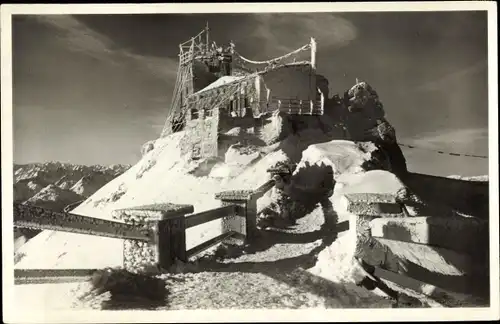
{"points": [[274, 128], [147, 147], [363, 115], [241, 155], [299, 188]]}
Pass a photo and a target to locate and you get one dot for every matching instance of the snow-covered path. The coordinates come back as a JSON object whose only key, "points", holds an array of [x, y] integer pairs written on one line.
{"points": [[273, 275]]}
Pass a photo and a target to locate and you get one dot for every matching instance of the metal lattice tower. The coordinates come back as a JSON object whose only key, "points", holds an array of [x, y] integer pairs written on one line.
{"points": [[184, 87]]}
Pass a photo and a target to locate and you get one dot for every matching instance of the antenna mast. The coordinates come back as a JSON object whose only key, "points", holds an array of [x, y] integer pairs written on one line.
{"points": [[206, 32]]}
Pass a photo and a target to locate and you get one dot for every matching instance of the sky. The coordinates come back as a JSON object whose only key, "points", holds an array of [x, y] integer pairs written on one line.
{"points": [[92, 89]]}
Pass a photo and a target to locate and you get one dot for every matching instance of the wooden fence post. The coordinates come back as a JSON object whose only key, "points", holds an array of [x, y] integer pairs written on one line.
{"points": [[251, 217], [166, 223], [244, 220]]}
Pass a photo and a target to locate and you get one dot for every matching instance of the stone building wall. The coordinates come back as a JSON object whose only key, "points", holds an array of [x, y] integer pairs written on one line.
{"points": [[237, 105], [200, 139], [208, 114]]}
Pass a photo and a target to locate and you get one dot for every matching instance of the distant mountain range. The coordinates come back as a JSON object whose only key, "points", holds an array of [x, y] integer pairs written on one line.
{"points": [[55, 185], [481, 178]]}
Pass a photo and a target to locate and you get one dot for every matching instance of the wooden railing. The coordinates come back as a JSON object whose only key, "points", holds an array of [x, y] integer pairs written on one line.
{"points": [[299, 107], [43, 276], [154, 235], [208, 216], [28, 216], [238, 212]]}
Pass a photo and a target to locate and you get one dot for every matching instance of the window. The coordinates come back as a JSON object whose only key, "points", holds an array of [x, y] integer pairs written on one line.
{"points": [[196, 153], [208, 112], [195, 114]]}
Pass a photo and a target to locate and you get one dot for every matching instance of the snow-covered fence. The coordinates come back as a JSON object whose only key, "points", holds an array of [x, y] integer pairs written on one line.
{"points": [[169, 223], [239, 216], [246, 206], [437, 254], [28, 216], [154, 235], [42, 276], [168, 239]]}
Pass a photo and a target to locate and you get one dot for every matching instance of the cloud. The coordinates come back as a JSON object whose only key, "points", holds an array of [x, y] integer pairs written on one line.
{"points": [[164, 68], [451, 78], [287, 32], [78, 37]]}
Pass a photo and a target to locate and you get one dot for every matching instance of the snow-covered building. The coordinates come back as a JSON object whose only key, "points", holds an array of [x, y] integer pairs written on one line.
{"points": [[217, 89]]}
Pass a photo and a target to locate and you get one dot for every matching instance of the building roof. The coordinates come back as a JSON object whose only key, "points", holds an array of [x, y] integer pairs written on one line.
{"points": [[220, 82]]}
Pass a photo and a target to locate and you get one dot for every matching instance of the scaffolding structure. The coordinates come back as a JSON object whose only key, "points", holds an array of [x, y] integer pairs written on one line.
{"points": [[197, 46]]}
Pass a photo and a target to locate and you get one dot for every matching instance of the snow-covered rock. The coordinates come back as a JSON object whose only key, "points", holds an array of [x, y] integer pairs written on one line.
{"points": [[275, 128], [336, 262], [147, 147], [345, 157], [240, 155]]}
